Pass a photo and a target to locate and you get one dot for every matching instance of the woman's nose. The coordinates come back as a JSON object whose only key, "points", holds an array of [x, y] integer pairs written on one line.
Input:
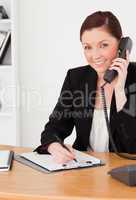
{"points": [[96, 54]]}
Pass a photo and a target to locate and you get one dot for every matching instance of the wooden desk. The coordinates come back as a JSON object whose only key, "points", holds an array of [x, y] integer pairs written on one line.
{"points": [[86, 184]]}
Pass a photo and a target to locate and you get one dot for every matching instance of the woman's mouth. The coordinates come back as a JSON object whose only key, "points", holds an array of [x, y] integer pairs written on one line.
{"points": [[99, 63]]}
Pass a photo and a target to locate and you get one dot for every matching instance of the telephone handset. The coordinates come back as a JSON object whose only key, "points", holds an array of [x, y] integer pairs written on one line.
{"points": [[125, 44]]}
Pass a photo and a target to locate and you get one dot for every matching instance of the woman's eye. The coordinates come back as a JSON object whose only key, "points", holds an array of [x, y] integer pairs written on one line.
{"points": [[104, 45], [87, 47]]}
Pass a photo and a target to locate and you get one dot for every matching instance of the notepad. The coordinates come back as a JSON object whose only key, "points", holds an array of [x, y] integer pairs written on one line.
{"points": [[6, 158], [46, 161]]}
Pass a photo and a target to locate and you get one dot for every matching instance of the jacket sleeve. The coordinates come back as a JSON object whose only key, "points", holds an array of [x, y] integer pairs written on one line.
{"points": [[124, 121], [60, 124]]}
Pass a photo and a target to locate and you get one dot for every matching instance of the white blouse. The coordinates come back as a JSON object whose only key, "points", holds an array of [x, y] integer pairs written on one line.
{"points": [[99, 138]]}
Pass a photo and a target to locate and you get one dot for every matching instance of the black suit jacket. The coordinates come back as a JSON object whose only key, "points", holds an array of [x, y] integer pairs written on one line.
{"points": [[75, 107]]}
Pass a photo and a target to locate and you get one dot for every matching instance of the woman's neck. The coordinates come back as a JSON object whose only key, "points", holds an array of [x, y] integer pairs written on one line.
{"points": [[100, 79]]}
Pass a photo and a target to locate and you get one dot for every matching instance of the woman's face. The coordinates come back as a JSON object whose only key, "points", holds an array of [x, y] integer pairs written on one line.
{"points": [[100, 48]]}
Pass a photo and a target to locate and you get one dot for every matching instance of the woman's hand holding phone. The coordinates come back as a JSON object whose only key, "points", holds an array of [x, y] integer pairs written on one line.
{"points": [[121, 66]]}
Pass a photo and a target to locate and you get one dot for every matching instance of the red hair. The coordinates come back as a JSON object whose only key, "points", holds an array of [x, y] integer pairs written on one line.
{"points": [[102, 18]]}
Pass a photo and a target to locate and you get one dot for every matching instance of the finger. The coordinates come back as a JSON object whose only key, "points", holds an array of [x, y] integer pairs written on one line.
{"points": [[70, 148], [57, 150], [127, 55], [121, 73], [60, 155], [120, 65], [69, 154], [54, 147], [117, 69], [66, 152], [120, 60], [60, 159], [63, 155]]}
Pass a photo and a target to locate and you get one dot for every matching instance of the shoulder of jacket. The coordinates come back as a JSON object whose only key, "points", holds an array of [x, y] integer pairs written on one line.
{"points": [[131, 75], [79, 69], [132, 65], [132, 68], [78, 73]]}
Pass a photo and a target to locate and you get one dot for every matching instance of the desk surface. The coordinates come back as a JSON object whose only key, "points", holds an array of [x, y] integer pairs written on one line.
{"points": [[23, 182]]}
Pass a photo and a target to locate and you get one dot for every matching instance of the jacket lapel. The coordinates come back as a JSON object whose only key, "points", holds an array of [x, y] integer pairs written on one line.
{"points": [[91, 82], [90, 85]]}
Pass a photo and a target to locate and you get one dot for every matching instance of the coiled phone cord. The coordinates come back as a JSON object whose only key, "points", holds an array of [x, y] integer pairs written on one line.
{"points": [[123, 155]]}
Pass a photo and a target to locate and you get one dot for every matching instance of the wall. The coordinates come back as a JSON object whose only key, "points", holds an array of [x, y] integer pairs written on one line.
{"points": [[49, 45]]}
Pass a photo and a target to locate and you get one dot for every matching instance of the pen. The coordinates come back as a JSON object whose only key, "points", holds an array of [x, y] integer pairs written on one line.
{"points": [[64, 146]]}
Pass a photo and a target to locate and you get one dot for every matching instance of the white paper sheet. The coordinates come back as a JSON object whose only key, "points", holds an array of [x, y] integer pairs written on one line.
{"points": [[46, 161], [4, 160]]}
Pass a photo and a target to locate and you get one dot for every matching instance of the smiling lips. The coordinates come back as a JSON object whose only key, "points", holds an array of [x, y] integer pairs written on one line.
{"points": [[99, 63]]}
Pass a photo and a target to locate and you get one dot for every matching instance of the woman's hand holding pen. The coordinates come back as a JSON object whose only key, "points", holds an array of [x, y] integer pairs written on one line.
{"points": [[60, 154]]}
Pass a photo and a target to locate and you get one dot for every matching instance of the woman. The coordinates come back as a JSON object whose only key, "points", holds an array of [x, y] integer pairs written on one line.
{"points": [[80, 102]]}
